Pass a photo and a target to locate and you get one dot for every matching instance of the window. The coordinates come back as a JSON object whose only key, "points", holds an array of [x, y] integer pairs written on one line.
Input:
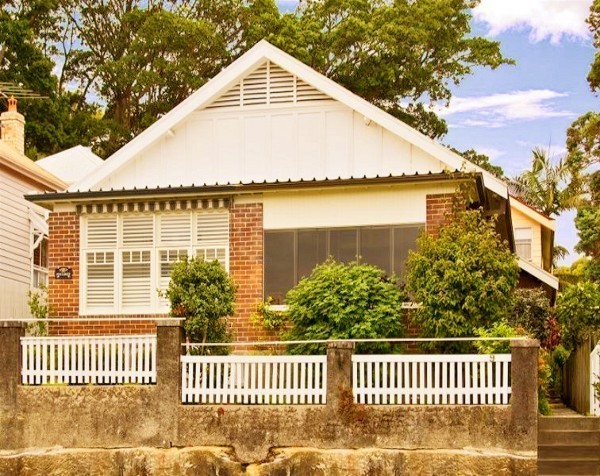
{"points": [[40, 261], [523, 242], [127, 258], [291, 255]]}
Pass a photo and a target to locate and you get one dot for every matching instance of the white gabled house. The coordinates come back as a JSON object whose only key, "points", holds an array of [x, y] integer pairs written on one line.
{"points": [[270, 167], [23, 225]]}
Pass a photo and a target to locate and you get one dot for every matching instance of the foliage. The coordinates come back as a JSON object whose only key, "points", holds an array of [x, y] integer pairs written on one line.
{"points": [[583, 140], [571, 274], [203, 293], [498, 329], [549, 187], [463, 278], [578, 312], [393, 54], [345, 301], [594, 23], [482, 161], [140, 58], [37, 300], [267, 317], [530, 310]]}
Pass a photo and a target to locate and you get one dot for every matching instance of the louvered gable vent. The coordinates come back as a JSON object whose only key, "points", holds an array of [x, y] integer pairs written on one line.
{"points": [[269, 84]]}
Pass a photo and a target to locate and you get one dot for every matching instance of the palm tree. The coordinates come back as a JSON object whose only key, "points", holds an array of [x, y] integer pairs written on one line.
{"points": [[549, 187]]}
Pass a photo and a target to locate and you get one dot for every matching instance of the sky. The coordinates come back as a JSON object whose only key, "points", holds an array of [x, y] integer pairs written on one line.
{"points": [[505, 113]]}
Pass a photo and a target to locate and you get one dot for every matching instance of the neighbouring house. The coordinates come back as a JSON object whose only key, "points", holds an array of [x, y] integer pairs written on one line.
{"points": [[270, 167], [23, 225], [71, 165]]}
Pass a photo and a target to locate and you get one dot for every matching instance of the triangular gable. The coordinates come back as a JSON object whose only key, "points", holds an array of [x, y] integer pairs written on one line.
{"points": [[228, 84], [268, 84]]}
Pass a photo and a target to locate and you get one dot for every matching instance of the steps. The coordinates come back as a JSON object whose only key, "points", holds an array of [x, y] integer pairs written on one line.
{"points": [[568, 443]]}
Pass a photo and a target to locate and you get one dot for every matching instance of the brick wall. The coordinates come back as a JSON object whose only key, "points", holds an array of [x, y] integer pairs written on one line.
{"points": [[63, 294], [246, 268], [438, 207], [63, 250]]}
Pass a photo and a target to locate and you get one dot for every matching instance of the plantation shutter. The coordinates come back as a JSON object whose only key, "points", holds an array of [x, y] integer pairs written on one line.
{"points": [[100, 279], [166, 260], [136, 279], [138, 231], [212, 236], [175, 229], [102, 232]]}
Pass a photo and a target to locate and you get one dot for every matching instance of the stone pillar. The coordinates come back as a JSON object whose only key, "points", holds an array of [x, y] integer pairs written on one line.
{"points": [[169, 337], [339, 371], [524, 398], [10, 361]]}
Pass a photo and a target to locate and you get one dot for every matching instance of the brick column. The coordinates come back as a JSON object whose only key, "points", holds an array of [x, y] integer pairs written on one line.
{"points": [[339, 371], [438, 208], [10, 362], [524, 384], [63, 250], [246, 267]]}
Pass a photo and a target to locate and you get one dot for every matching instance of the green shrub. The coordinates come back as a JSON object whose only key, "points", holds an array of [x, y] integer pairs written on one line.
{"points": [[345, 301], [578, 312], [203, 293], [531, 310], [462, 278], [37, 300], [499, 329]]}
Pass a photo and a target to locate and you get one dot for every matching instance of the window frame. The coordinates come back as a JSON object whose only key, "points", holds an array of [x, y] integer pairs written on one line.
{"points": [[524, 241], [157, 304]]}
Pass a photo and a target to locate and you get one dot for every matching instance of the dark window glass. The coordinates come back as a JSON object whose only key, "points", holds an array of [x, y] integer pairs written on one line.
{"points": [[279, 264], [343, 244], [405, 239], [375, 247], [312, 250]]}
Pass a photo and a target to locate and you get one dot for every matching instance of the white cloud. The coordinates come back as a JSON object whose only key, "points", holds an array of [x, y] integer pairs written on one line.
{"points": [[496, 110], [553, 19]]}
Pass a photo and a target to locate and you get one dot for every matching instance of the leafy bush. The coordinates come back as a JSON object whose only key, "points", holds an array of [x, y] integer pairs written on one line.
{"points": [[37, 300], [463, 278], [345, 301], [499, 329], [268, 318], [578, 312], [203, 293], [531, 311]]}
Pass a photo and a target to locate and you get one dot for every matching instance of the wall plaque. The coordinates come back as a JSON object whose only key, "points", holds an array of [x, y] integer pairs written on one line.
{"points": [[63, 273]]}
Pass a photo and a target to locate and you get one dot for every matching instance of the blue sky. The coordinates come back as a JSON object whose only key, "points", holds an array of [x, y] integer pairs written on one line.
{"points": [[507, 112]]}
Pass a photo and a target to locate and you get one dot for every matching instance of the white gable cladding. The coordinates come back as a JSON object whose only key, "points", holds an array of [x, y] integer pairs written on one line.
{"points": [[322, 139]]}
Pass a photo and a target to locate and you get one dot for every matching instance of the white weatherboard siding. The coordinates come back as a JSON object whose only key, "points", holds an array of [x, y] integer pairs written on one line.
{"points": [[382, 205], [520, 220], [15, 243], [322, 139]]}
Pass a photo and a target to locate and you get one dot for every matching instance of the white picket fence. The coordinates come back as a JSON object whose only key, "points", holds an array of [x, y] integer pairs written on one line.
{"points": [[431, 379], [89, 360], [595, 379], [254, 379]]}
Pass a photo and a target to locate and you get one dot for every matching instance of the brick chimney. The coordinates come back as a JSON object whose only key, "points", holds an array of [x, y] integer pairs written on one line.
{"points": [[12, 126]]}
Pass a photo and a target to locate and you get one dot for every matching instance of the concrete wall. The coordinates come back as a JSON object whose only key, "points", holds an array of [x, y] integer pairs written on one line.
{"points": [[129, 416]]}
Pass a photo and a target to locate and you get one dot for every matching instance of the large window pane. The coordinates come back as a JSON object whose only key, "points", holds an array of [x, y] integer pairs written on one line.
{"points": [[343, 244], [312, 250], [279, 264], [405, 239], [375, 247]]}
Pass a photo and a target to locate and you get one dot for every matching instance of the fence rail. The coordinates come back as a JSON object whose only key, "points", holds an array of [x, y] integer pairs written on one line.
{"points": [[89, 360], [595, 380], [431, 379], [254, 379]]}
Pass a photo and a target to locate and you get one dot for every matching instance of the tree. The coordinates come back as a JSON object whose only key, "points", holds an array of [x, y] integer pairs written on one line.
{"points": [[578, 312], [593, 21], [344, 301], [63, 119], [587, 223], [393, 54], [549, 187], [203, 293], [463, 278], [482, 161]]}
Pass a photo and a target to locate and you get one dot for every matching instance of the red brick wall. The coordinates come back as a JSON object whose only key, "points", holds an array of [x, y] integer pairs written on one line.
{"points": [[438, 208], [246, 268], [63, 250], [63, 294]]}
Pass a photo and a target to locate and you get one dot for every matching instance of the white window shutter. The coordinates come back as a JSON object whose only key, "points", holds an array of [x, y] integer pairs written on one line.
{"points": [[100, 279], [101, 232], [136, 288], [212, 228], [175, 229], [138, 230]]}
